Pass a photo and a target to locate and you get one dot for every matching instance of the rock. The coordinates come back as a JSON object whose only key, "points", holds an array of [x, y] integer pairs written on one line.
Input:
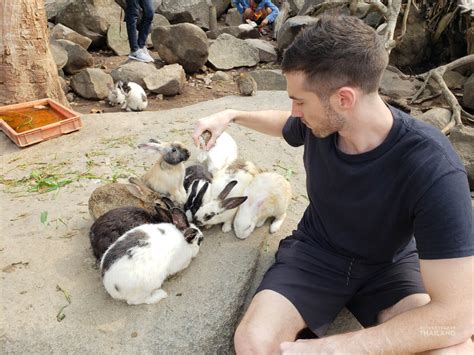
{"points": [[462, 138], [241, 31], [78, 57], [266, 52], [158, 20], [117, 38], [468, 98], [193, 11], [60, 31], [134, 71], [53, 7], [394, 86], [169, 80], [70, 97], [454, 80], [221, 76], [185, 44], [269, 79], [438, 117], [221, 6], [91, 83], [64, 85], [59, 55], [296, 6], [291, 28], [228, 52], [90, 18], [233, 17], [412, 49]]}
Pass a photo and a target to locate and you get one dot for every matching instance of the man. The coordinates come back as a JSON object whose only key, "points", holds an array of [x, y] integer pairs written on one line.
{"points": [[262, 12], [375, 178], [138, 50]]}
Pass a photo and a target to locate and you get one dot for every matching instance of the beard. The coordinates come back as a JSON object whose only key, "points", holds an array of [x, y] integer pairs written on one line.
{"points": [[332, 124]]}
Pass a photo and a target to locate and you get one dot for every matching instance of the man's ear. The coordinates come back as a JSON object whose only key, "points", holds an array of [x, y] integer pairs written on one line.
{"points": [[345, 97]]}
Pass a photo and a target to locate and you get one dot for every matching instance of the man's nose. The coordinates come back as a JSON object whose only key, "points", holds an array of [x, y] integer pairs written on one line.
{"points": [[295, 112]]}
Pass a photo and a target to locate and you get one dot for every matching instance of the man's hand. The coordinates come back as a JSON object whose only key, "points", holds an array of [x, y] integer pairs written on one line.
{"points": [[216, 124]]}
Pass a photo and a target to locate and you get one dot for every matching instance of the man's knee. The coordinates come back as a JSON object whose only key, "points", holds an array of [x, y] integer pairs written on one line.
{"points": [[248, 339], [248, 14], [148, 10]]}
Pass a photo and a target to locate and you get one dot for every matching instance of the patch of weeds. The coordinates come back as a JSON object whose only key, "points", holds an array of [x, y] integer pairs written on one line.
{"points": [[288, 172], [44, 217], [115, 142], [60, 316]]}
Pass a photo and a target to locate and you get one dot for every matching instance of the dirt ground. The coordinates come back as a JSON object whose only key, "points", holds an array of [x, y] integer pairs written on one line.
{"points": [[195, 90]]}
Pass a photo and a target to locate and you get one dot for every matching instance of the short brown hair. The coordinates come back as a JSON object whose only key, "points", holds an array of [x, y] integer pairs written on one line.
{"points": [[337, 51]]}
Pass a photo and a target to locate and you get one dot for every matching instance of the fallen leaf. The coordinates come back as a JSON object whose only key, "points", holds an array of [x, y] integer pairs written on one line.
{"points": [[96, 110]]}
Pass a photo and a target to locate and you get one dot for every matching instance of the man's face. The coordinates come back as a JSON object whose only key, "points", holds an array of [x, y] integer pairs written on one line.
{"points": [[316, 113]]}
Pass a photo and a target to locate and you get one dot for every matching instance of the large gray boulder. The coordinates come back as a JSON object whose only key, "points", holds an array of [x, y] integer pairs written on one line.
{"points": [[169, 80], [60, 31], [269, 79], [78, 57], [91, 83], [59, 55], [266, 52], [438, 117], [134, 71], [241, 32], [90, 18], [233, 17], [468, 97], [184, 43], [291, 28], [396, 87], [179, 11], [462, 138], [117, 38], [228, 52], [53, 7], [221, 6]]}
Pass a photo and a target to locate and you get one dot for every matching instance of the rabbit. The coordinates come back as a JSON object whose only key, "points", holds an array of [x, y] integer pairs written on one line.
{"points": [[135, 97], [110, 196], [166, 176], [196, 172], [114, 223], [221, 155], [134, 267], [246, 84], [116, 95], [198, 194], [226, 194], [268, 196]]}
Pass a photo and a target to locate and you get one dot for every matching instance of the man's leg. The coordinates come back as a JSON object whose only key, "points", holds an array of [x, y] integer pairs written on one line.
{"points": [[418, 300], [247, 15], [145, 23], [269, 320], [131, 17]]}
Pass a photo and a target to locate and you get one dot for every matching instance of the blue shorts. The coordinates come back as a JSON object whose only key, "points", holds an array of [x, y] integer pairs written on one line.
{"points": [[319, 283]]}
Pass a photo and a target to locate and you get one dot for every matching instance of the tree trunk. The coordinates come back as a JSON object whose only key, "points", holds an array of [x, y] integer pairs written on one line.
{"points": [[27, 68]]}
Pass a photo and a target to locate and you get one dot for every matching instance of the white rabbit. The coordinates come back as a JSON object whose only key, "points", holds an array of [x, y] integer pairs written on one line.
{"points": [[116, 95], [226, 195], [135, 266], [221, 155], [268, 196], [135, 97]]}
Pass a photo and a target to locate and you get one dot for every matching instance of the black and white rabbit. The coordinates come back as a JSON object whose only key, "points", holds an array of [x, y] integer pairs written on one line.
{"points": [[196, 183], [113, 224], [116, 95], [135, 97], [134, 267]]}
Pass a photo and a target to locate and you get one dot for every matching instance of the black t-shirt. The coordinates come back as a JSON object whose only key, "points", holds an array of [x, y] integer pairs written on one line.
{"points": [[370, 205]]}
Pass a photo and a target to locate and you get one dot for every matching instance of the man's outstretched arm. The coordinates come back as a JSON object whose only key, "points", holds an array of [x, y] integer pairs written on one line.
{"points": [[446, 321]]}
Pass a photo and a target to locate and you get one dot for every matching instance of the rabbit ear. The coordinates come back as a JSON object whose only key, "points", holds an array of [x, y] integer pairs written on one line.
{"points": [[164, 215], [233, 202], [136, 191], [169, 204], [179, 219], [227, 189]]}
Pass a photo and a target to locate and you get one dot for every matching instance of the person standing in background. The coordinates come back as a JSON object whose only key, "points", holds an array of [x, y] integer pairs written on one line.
{"points": [[138, 28]]}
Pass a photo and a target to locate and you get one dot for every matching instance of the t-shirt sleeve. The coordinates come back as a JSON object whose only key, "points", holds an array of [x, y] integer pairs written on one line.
{"points": [[443, 219], [294, 132]]}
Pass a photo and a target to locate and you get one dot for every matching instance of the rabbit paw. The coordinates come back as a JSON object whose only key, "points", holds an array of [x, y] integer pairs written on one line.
{"points": [[226, 227]]}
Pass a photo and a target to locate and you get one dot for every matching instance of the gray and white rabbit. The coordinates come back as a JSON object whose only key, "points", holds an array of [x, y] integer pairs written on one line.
{"points": [[135, 97], [268, 196], [134, 267], [116, 95], [221, 155]]}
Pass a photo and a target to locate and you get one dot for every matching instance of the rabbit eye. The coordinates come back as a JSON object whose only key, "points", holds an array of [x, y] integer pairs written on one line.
{"points": [[173, 150], [208, 216]]}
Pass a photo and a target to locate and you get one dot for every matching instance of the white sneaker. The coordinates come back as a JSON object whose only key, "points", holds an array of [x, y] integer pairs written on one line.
{"points": [[145, 50], [141, 56]]}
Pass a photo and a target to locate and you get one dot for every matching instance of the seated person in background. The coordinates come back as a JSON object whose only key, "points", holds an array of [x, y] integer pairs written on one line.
{"points": [[262, 12]]}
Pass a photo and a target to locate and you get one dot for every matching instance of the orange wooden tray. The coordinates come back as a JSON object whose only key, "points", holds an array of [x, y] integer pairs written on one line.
{"points": [[69, 122]]}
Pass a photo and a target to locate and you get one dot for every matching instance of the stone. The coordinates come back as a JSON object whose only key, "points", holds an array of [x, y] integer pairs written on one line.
{"points": [[60, 31], [454, 80], [134, 71], [241, 31], [468, 89], [291, 28], [266, 52], [117, 38], [91, 83], [221, 6], [228, 52], [394, 86], [221, 76], [462, 139], [64, 85], [269, 79], [438, 117], [169, 80], [185, 44], [59, 55], [78, 57], [192, 11], [233, 17], [53, 7]]}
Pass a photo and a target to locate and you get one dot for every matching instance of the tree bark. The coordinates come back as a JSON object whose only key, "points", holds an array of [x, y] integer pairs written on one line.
{"points": [[27, 68]]}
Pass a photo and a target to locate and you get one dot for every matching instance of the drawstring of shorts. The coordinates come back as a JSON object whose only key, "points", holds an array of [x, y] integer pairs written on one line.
{"points": [[349, 271]]}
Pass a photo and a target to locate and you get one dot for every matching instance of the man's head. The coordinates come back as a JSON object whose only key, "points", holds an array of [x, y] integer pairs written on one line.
{"points": [[329, 64]]}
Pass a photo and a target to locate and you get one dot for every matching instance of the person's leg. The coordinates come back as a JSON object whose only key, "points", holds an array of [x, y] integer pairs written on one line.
{"points": [[269, 320], [247, 15], [132, 14], [145, 23]]}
